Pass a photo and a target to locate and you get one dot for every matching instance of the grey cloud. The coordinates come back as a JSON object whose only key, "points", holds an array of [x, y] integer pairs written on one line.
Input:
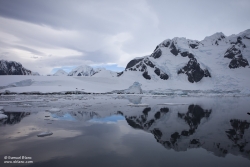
{"points": [[29, 50], [89, 31], [108, 16]]}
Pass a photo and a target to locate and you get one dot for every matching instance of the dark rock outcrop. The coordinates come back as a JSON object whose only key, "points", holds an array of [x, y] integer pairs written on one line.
{"points": [[235, 53], [142, 65], [133, 62], [193, 71], [156, 54]]}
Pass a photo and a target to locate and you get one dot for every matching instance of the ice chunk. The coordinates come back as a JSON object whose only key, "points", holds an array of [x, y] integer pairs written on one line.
{"points": [[54, 110], [3, 116], [1, 108], [134, 89], [43, 134], [24, 105]]}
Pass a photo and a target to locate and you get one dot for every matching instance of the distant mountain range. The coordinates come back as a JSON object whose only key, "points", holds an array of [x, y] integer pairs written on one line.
{"points": [[178, 59]]}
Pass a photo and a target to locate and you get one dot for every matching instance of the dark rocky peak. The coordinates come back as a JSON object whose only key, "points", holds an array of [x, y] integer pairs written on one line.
{"points": [[13, 68], [133, 62], [235, 53], [194, 71]]}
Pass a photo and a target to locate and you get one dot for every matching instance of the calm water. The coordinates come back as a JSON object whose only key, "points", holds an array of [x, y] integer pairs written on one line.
{"points": [[106, 131]]}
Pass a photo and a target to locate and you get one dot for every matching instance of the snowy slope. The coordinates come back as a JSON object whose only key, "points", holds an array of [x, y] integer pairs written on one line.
{"points": [[60, 72], [102, 72], [83, 70]]}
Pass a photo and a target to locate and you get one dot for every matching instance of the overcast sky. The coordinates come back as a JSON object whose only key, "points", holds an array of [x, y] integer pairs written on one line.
{"points": [[49, 34]]}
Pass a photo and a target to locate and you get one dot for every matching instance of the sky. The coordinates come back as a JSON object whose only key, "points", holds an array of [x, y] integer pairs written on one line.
{"points": [[46, 35]]}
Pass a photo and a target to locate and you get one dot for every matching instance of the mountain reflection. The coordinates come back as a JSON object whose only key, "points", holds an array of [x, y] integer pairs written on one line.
{"points": [[193, 118], [236, 134], [13, 117], [185, 132]]}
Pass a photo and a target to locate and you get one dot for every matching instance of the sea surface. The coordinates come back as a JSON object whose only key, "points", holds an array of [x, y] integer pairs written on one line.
{"points": [[124, 130]]}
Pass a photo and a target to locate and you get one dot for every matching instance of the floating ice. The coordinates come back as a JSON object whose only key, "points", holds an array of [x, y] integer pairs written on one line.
{"points": [[42, 105], [43, 134], [173, 104], [138, 105], [24, 105], [54, 110], [134, 89]]}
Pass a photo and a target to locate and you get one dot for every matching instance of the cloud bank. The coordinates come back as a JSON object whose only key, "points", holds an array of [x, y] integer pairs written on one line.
{"points": [[45, 34]]}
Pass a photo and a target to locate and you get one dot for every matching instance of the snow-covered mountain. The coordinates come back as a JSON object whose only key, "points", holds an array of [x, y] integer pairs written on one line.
{"points": [[217, 57], [13, 68], [103, 72], [60, 72], [83, 70]]}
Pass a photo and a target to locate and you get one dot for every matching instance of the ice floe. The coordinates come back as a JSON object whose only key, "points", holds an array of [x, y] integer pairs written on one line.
{"points": [[54, 110], [138, 105], [43, 134]]}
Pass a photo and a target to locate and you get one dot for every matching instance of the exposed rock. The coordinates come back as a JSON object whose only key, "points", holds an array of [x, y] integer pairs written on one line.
{"points": [[13, 68], [146, 76], [238, 62], [174, 50], [133, 62], [235, 54], [156, 54], [193, 71]]}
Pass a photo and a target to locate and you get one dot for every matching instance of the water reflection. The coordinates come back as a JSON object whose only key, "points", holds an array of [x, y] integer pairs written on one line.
{"points": [[184, 138], [118, 132], [236, 134], [13, 117]]}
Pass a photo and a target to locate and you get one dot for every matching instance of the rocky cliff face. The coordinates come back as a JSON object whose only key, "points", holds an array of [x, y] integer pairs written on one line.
{"points": [[13, 68]]}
